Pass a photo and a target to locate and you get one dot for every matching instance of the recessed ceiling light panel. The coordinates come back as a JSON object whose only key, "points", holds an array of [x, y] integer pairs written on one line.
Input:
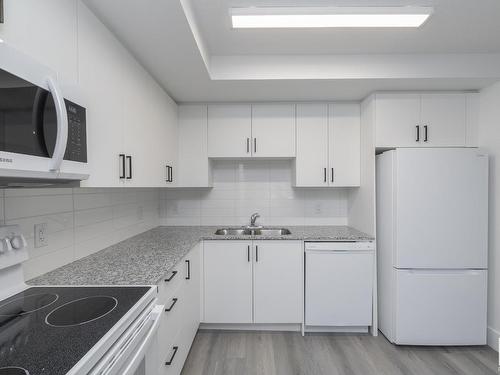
{"points": [[322, 17]]}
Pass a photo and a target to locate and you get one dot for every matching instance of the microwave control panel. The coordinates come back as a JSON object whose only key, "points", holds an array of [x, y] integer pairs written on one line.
{"points": [[76, 149]]}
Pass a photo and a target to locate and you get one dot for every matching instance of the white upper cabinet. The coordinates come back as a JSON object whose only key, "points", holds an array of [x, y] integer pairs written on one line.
{"points": [[344, 122], [273, 130], [193, 164], [397, 117], [131, 121], [229, 131], [244, 131], [443, 118], [311, 163], [425, 120], [328, 145], [101, 78]]}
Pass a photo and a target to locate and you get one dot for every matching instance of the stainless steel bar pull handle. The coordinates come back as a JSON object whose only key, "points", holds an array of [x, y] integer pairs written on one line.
{"points": [[418, 134], [255, 145], [324, 174], [248, 145], [332, 175], [426, 133]]}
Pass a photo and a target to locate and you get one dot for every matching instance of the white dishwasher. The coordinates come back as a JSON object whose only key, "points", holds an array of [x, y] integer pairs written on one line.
{"points": [[339, 285]]}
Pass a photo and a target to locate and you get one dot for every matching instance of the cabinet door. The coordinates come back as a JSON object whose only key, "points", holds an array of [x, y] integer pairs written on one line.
{"points": [[278, 281], [344, 144], [227, 282], [445, 118], [273, 130], [311, 163], [396, 119], [229, 131], [138, 126], [339, 287], [105, 120], [193, 166]]}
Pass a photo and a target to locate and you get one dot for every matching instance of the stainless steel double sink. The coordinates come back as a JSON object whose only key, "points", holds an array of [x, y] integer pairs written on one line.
{"points": [[252, 232]]}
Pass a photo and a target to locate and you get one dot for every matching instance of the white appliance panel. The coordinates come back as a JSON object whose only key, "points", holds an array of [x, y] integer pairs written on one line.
{"points": [[441, 208], [339, 286], [441, 307]]}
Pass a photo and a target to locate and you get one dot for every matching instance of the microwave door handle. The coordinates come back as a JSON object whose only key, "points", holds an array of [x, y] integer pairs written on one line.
{"points": [[62, 126]]}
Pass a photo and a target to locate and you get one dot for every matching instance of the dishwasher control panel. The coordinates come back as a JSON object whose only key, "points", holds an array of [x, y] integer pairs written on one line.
{"points": [[340, 246]]}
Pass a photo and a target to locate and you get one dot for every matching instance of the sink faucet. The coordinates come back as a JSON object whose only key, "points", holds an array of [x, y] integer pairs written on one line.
{"points": [[253, 219]]}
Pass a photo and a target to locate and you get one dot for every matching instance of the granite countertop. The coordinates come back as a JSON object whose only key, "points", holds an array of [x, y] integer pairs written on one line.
{"points": [[145, 259]]}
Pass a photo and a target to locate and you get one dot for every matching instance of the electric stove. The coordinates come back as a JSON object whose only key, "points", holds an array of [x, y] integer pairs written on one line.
{"points": [[56, 330]]}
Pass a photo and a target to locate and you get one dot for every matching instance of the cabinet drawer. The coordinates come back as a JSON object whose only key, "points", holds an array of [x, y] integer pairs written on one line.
{"points": [[178, 351], [172, 281], [173, 320]]}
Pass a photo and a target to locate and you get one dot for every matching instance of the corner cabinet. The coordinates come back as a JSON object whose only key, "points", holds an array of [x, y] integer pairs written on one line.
{"points": [[253, 282], [425, 120], [194, 169], [251, 131], [328, 145]]}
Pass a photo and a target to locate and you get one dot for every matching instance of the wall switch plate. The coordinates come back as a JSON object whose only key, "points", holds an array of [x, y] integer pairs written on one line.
{"points": [[41, 235]]}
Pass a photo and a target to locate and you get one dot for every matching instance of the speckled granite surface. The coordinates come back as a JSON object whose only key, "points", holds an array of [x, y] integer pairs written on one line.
{"points": [[144, 259]]}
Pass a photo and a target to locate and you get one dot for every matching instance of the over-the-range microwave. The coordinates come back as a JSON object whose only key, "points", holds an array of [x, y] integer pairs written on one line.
{"points": [[43, 138]]}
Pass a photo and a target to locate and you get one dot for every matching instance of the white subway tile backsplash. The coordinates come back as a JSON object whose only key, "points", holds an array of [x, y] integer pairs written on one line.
{"points": [[80, 221], [27, 206], [88, 201], [37, 266], [241, 188]]}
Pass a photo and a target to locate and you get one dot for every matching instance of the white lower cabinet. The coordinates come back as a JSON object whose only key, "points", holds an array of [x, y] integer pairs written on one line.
{"points": [[277, 282], [253, 281], [227, 267], [180, 293]]}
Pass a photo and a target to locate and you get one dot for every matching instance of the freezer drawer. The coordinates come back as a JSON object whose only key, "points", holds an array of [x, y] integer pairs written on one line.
{"points": [[440, 307], [339, 287]]}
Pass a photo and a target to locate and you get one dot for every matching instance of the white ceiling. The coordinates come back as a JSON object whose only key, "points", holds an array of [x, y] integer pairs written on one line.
{"points": [[456, 26], [188, 47]]}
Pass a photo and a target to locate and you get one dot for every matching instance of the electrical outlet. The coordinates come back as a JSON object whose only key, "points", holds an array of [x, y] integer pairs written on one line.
{"points": [[318, 209], [140, 213], [41, 235]]}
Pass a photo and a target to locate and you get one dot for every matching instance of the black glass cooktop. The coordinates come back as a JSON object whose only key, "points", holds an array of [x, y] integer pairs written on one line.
{"points": [[47, 330]]}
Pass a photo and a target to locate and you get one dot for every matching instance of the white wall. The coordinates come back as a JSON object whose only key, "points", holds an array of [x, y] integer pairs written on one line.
{"points": [[489, 141], [79, 221], [244, 187]]}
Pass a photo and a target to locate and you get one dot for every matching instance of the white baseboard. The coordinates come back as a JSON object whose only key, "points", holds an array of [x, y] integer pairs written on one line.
{"points": [[493, 337], [252, 327], [352, 329]]}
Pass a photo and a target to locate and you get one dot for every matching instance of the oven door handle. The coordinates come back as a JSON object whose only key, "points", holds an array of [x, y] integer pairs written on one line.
{"points": [[62, 126], [134, 345], [134, 363]]}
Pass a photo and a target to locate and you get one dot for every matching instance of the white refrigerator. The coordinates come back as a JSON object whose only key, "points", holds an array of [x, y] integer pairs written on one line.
{"points": [[432, 245]]}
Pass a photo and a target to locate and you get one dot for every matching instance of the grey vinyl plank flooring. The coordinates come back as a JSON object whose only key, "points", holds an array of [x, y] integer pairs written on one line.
{"points": [[288, 353]]}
